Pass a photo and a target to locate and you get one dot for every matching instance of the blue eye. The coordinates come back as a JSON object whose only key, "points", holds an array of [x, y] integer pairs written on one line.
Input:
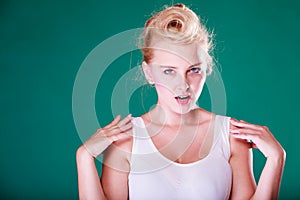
{"points": [[196, 70], [169, 71]]}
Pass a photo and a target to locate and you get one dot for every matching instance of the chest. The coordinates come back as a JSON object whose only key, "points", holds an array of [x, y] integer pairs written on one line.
{"points": [[209, 178], [185, 144]]}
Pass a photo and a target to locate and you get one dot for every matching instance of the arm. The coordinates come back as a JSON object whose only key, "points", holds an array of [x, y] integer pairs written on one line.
{"points": [[243, 183], [270, 178], [89, 184], [115, 170], [88, 179]]}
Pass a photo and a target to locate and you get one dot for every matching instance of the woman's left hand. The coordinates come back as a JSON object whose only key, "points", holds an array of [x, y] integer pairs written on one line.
{"points": [[260, 136]]}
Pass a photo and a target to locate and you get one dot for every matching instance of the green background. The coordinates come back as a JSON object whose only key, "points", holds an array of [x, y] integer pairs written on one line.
{"points": [[43, 43]]}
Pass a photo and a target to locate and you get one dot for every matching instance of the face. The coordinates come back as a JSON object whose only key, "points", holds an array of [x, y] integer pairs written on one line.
{"points": [[178, 73]]}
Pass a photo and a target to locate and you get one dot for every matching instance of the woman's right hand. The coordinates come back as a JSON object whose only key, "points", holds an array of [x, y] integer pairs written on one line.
{"points": [[104, 137]]}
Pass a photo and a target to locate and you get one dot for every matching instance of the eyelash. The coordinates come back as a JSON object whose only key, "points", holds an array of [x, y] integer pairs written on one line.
{"points": [[196, 70], [168, 71]]}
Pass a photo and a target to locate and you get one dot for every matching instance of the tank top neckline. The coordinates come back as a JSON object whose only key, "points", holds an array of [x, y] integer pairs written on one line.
{"points": [[212, 148]]}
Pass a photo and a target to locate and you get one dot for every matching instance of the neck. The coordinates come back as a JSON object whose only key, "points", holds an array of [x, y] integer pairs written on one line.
{"points": [[159, 115]]}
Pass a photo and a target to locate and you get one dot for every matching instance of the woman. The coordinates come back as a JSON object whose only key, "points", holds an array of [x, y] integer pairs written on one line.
{"points": [[178, 150]]}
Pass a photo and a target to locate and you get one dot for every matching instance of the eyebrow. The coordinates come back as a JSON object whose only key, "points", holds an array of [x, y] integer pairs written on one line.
{"points": [[173, 67]]}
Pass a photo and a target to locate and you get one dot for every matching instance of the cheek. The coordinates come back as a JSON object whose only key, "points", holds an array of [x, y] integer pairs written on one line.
{"points": [[165, 87], [197, 83], [165, 82]]}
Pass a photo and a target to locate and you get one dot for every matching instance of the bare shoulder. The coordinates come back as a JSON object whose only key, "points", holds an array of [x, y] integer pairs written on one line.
{"points": [[120, 149], [239, 147], [118, 155], [205, 116], [240, 151]]}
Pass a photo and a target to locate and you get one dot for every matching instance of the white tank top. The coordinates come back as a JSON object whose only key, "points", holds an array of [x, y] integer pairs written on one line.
{"points": [[153, 176]]}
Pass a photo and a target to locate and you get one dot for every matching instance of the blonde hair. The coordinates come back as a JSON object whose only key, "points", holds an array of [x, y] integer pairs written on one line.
{"points": [[177, 24]]}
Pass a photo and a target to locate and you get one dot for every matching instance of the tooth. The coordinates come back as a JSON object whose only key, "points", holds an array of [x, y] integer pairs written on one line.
{"points": [[182, 97]]}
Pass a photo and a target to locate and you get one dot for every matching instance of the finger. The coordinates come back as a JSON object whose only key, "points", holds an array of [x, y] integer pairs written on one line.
{"points": [[124, 121], [126, 127], [231, 124], [122, 135], [114, 131], [114, 122], [242, 136], [243, 124], [247, 134], [238, 123], [252, 125], [118, 130], [246, 125], [243, 131]]}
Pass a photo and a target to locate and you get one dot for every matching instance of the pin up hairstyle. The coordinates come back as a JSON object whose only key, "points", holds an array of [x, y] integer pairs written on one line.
{"points": [[179, 25]]}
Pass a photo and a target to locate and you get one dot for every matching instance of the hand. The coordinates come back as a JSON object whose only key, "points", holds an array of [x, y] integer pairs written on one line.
{"points": [[260, 136], [104, 137]]}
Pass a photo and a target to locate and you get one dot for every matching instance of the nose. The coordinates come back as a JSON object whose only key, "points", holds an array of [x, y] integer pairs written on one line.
{"points": [[183, 84]]}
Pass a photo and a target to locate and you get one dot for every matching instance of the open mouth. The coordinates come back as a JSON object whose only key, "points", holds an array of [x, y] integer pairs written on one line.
{"points": [[183, 99]]}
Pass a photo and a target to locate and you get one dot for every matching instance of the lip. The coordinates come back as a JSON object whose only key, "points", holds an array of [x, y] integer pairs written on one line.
{"points": [[183, 99]]}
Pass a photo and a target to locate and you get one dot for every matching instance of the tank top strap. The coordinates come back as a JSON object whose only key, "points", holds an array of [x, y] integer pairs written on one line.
{"points": [[144, 158], [140, 137], [221, 131]]}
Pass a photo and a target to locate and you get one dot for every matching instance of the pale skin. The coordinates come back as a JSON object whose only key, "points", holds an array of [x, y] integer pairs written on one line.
{"points": [[175, 75]]}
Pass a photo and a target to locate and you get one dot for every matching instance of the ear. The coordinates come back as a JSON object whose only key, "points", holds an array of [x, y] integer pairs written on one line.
{"points": [[147, 72]]}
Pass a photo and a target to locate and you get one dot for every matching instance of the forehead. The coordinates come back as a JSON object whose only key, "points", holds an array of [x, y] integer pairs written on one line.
{"points": [[166, 53]]}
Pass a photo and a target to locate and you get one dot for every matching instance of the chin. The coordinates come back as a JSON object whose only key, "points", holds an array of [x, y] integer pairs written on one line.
{"points": [[184, 109]]}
